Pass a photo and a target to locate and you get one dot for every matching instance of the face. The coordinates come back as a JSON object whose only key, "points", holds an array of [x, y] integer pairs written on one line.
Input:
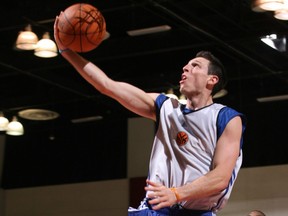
{"points": [[195, 77]]}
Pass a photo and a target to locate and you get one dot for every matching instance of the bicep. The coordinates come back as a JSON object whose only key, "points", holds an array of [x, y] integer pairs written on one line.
{"points": [[133, 98], [228, 147]]}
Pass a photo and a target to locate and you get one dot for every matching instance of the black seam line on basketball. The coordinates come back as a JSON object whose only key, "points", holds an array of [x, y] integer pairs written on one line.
{"points": [[89, 17]]}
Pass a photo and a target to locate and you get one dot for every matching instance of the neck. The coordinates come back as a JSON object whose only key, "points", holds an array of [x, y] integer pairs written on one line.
{"points": [[196, 103]]}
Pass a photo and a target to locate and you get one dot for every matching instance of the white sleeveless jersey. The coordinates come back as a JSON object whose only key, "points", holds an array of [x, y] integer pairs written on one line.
{"points": [[184, 146]]}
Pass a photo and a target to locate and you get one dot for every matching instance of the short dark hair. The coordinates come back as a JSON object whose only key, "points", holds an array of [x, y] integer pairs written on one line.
{"points": [[216, 68]]}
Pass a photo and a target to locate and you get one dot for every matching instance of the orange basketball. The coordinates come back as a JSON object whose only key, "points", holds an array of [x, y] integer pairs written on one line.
{"points": [[82, 27]]}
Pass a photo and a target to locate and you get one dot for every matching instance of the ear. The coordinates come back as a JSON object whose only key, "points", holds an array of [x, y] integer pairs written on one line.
{"points": [[213, 79]]}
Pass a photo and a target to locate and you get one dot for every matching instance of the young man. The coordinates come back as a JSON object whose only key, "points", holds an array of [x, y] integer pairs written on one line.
{"points": [[196, 153]]}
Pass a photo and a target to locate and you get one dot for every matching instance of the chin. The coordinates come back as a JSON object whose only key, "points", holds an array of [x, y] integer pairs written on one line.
{"points": [[182, 91]]}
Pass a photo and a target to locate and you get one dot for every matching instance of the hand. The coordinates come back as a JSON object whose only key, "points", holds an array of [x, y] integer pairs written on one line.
{"points": [[160, 195], [56, 35]]}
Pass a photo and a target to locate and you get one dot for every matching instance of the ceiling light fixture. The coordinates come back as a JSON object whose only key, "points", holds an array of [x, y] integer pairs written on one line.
{"points": [[267, 5], [220, 93], [38, 114], [280, 7], [46, 48], [3, 122], [150, 30], [106, 36], [15, 128], [274, 41], [182, 99], [26, 40], [170, 93], [282, 14]]}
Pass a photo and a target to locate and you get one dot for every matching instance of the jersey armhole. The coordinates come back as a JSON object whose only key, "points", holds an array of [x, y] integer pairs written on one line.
{"points": [[159, 102], [224, 116]]}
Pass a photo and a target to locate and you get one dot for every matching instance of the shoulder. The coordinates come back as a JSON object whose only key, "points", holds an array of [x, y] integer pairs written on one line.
{"points": [[226, 114], [154, 96], [160, 99]]}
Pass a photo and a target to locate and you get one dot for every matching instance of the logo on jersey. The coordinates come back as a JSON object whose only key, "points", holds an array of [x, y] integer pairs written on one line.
{"points": [[182, 138]]}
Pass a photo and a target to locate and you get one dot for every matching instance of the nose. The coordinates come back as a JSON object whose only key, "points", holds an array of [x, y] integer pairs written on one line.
{"points": [[185, 68]]}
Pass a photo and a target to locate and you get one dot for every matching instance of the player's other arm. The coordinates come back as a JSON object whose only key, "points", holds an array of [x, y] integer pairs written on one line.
{"points": [[214, 182], [224, 161], [129, 96]]}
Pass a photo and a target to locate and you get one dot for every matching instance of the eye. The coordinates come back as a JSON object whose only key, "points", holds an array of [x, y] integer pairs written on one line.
{"points": [[194, 64]]}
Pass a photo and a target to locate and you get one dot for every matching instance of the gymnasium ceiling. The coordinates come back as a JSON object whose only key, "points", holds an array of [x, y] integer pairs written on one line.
{"points": [[228, 28]]}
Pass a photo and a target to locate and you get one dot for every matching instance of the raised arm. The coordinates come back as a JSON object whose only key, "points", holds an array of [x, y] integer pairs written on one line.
{"points": [[129, 96]]}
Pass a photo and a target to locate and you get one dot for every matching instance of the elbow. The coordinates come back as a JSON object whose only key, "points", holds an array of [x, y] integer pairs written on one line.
{"points": [[103, 88], [222, 184], [106, 92]]}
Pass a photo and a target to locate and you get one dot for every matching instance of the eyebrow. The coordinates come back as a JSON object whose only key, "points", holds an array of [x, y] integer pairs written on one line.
{"points": [[195, 61]]}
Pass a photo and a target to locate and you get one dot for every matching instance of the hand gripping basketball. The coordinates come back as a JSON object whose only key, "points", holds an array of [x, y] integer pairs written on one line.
{"points": [[56, 35], [80, 27]]}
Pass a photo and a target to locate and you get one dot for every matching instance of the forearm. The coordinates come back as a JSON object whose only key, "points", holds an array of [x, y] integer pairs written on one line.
{"points": [[89, 71], [202, 187], [224, 161], [77, 61]]}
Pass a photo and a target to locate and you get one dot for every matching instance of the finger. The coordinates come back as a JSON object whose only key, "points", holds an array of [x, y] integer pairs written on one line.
{"points": [[56, 33], [152, 195], [152, 183], [151, 188], [156, 207], [56, 22], [56, 27], [160, 205], [155, 201]]}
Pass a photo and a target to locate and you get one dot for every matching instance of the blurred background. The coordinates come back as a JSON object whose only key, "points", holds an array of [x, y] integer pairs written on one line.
{"points": [[74, 134]]}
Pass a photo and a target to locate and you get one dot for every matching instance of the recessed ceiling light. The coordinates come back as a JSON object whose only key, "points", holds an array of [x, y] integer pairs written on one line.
{"points": [[38, 114]]}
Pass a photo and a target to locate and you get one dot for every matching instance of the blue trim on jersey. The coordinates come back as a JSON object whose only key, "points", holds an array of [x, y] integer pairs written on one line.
{"points": [[224, 116], [159, 102], [231, 181]]}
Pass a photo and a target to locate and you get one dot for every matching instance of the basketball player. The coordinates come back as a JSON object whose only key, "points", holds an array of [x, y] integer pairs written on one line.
{"points": [[256, 213], [196, 153]]}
